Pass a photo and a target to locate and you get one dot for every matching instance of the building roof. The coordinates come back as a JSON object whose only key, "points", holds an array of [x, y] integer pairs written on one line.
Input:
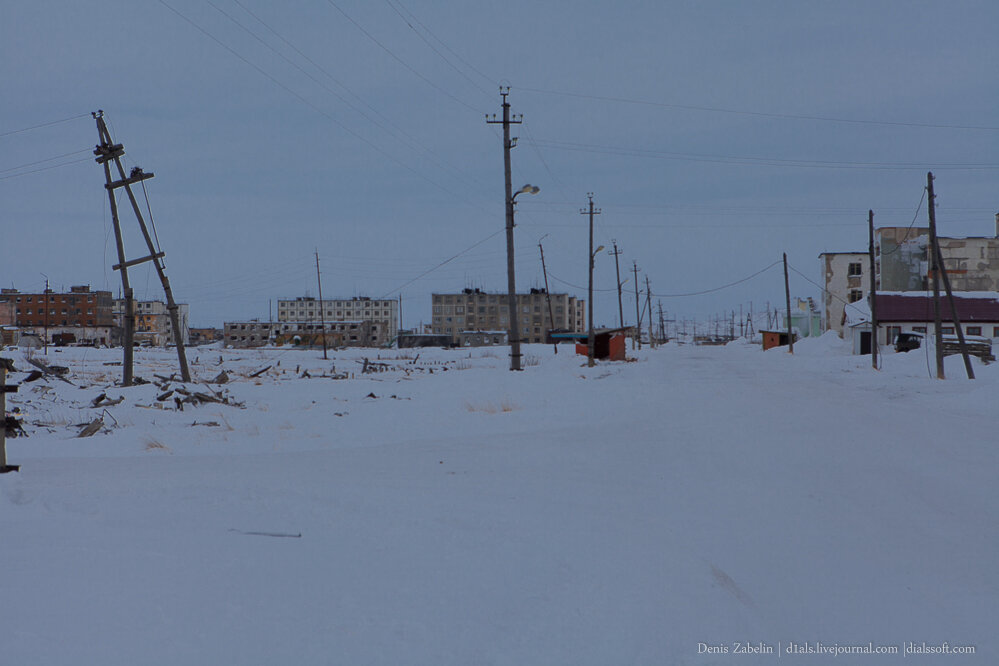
{"points": [[584, 335], [898, 307]]}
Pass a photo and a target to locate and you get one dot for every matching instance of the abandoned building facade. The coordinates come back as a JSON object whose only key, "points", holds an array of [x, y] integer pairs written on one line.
{"points": [[475, 310], [256, 333], [152, 322], [902, 264], [77, 316], [380, 315]]}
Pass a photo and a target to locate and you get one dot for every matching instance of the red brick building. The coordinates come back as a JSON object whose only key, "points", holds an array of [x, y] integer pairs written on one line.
{"points": [[82, 312]]}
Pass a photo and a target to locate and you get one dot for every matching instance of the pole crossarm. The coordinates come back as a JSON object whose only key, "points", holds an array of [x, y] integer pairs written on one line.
{"points": [[136, 262], [136, 176]]}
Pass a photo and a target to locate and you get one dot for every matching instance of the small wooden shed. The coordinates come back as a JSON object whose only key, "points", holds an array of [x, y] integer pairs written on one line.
{"points": [[773, 339], [608, 343]]}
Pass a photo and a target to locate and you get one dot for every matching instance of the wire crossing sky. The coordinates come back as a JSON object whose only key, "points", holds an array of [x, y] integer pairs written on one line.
{"points": [[715, 136]]}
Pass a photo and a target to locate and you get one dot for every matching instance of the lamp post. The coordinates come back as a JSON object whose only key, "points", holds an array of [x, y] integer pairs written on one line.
{"points": [[511, 281]]}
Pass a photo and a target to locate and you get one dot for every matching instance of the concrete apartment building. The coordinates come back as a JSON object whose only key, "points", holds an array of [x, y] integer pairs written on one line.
{"points": [[847, 280], [256, 333], [152, 321], [79, 315], [475, 310], [381, 314], [903, 262]]}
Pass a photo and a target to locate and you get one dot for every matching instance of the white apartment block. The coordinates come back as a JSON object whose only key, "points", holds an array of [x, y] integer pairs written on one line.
{"points": [[847, 280], [383, 313], [256, 333], [476, 310]]}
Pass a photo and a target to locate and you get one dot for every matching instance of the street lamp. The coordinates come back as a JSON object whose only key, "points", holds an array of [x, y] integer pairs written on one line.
{"points": [[511, 282]]}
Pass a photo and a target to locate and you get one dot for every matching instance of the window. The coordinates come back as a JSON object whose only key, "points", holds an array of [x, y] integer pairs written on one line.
{"points": [[893, 332], [995, 331], [918, 329], [947, 330], [974, 330], [856, 295]]}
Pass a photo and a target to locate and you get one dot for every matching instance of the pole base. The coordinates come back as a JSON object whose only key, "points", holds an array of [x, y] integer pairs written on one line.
{"points": [[9, 468]]}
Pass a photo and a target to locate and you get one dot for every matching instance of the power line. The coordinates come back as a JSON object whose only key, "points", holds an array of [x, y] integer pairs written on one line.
{"points": [[393, 130], [433, 48], [472, 67], [400, 60], [48, 124], [315, 108], [737, 160], [427, 272], [48, 159], [53, 166], [824, 290], [906, 237], [742, 112], [725, 286]]}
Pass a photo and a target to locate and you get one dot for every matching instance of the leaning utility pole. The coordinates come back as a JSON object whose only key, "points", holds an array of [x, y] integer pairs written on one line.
{"points": [[617, 270], [510, 280], [548, 296], [946, 280], [787, 298], [638, 317], [873, 290], [589, 335], [107, 151], [322, 314]]}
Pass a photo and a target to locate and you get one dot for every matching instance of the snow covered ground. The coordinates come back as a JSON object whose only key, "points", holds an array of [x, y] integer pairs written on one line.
{"points": [[448, 511]]}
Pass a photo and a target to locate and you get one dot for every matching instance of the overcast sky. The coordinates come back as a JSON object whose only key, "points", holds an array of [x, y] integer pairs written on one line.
{"points": [[714, 136]]}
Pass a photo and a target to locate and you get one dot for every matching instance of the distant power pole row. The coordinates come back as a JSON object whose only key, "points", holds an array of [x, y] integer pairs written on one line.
{"points": [[510, 197]]}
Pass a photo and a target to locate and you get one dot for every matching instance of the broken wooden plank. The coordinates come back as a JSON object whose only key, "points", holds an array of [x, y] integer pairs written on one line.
{"points": [[92, 428]]}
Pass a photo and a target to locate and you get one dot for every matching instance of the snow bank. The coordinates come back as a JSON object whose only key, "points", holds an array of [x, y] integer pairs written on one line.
{"points": [[446, 510]]}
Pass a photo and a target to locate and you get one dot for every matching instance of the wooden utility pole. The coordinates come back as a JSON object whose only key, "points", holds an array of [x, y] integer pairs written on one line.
{"points": [[511, 281], [935, 273], [662, 323], [106, 152], [617, 271], [638, 317], [46, 298], [938, 256], [787, 299], [873, 290], [548, 296], [322, 308], [589, 336], [648, 308]]}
